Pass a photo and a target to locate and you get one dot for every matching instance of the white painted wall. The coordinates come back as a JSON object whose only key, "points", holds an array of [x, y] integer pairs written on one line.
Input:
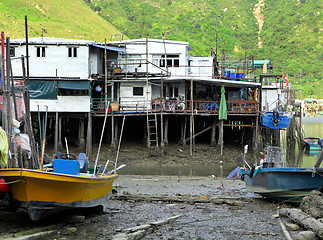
{"points": [[56, 59], [200, 66], [270, 98], [137, 49], [88, 60], [129, 101], [62, 104]]}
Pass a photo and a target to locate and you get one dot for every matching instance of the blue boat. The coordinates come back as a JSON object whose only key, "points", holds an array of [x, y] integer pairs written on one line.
{"points": [[273, 180], [313, 144], [276, 119]]}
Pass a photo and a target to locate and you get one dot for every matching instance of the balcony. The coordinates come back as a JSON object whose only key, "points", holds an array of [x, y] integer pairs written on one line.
{"points": [[234, 107]]}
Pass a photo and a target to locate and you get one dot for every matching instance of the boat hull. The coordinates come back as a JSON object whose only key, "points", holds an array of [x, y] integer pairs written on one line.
{"points": [[313, 144], [42, 193], [285, 184]]}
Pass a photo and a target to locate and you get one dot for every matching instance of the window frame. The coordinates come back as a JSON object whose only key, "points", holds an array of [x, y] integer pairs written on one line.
{"points": [[140, 92], [12, 51], [40, 52], [72, 52]]}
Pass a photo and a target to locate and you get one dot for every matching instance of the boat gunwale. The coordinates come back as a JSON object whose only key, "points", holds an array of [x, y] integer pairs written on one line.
{"points": [[36, 173], [289, 170]]}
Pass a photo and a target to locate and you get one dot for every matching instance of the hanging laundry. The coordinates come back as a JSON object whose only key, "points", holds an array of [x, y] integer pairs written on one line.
{"points": [[3, 147]]}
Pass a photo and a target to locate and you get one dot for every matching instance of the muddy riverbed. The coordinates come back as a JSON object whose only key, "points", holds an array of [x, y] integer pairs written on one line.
{"points": [[209, 206], [243, 216]]}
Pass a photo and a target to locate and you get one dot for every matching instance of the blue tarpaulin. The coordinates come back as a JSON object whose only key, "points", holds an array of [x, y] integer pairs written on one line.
{"points": [[43, 90], [77, 85], [283, 120]]}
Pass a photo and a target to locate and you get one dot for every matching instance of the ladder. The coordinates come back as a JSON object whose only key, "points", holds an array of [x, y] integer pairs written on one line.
{"points": [[152, 138]]}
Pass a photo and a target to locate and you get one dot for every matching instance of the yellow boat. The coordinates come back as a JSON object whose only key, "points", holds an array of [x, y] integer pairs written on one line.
{"points": [[42, 192]]}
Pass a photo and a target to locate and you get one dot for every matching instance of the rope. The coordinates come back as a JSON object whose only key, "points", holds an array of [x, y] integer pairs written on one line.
{"points": [[291, 198], [12, 182], [315, 172]]}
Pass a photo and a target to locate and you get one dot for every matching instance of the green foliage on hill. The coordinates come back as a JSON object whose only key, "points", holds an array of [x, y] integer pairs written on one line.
{"points": [[61, 19], [290, 36]]}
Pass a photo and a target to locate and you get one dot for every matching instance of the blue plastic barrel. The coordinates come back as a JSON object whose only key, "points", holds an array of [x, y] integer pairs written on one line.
{"points": [[227, 74], [239, 76], [233, 76]]}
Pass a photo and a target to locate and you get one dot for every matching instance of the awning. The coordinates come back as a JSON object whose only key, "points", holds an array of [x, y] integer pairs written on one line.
{"points": [[43, 90], [115, 49], [77, 85], [260, 63]]}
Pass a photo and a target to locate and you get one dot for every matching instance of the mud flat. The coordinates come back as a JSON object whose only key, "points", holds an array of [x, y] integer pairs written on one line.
{"points": [[199, 208]]}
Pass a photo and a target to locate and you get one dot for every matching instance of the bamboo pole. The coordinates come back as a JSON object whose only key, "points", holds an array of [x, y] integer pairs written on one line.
{"points": [[56, 133], [44, 142], [8, 99], [191, 122], [102, 132], [116, 162], [105, 75]]}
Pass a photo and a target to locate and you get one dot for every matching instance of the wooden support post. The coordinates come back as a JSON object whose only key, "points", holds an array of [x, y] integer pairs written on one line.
{"points": [[56, 133], [162, 144], [191, 122], [183, 131], [81, 135], [220, 142], [166, 131], [113, 146], [116, 131], [213, 141], [89, 136], [60, 144]]}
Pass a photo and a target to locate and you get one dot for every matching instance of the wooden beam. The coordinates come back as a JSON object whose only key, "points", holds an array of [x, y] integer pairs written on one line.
{"points": [[204, 130]]}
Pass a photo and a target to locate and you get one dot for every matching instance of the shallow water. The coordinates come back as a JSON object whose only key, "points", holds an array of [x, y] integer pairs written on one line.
{"points": [[312, 127]]}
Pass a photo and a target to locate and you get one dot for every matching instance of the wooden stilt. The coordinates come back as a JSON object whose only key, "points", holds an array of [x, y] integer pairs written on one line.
{"points": [[191, 120], [116, 131], [166, 132], [162, 144], [89, 136], [191, 135], [184, 131], [113, 146], [81, 135], [220, 142], [213, 141], [60, 144], [56, 133]]}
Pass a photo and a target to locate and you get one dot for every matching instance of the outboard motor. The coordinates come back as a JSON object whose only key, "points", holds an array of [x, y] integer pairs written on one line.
{"points": [[82, 159], [275, 117]]}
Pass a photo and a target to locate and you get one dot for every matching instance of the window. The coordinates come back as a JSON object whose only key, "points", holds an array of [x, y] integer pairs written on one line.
{"points": [[12, 52], [72, 52], [173, 91], [170, 60], [138, 91], [40, 51]]}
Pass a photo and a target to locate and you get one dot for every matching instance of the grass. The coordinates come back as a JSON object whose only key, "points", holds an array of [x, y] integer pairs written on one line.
{"points": [[61, 19]]}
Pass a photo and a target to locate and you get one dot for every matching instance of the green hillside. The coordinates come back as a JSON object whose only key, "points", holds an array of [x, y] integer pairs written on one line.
{"points": [[62, 19], [286, 31]]}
